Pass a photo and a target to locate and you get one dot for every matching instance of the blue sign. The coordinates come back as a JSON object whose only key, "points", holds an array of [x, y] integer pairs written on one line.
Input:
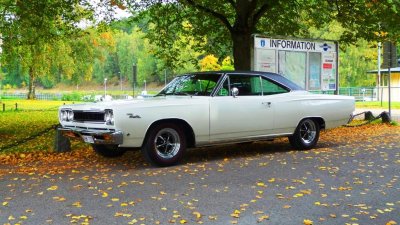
{"points": [[262, 42], [325, 46]]}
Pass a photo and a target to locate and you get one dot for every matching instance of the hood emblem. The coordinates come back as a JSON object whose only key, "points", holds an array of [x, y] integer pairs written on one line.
{"points": [[131, 115]]}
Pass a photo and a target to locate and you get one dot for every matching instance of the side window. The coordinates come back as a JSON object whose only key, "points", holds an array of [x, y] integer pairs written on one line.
{"points": [[270, 88], [247, 85], [204, 87]]}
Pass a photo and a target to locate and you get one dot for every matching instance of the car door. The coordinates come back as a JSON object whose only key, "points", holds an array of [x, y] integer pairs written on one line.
{"points": [[249, 114]]}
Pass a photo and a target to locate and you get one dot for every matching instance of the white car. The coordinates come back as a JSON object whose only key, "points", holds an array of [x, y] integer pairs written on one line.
{"points": [[204, 109]]}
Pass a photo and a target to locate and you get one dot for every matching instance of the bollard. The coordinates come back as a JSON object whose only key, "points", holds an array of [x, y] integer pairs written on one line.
{"points": [[369, 116], [4, 107], [16, 106], [61, 143], [386, 117]]}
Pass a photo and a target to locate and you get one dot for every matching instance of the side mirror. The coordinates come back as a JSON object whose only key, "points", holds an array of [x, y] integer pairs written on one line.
{"points": [[234, 92]]}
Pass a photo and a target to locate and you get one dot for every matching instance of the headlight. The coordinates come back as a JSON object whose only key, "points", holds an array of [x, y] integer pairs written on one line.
{"points": [[66, 115], [109, 116], [70, 115]]}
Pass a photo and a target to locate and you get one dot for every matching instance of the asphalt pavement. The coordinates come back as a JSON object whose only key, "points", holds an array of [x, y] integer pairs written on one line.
{"points": [[352, 177]]}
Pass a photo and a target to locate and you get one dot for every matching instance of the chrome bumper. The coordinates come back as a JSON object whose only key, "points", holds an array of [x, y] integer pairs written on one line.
{"points": [[105, 137]]}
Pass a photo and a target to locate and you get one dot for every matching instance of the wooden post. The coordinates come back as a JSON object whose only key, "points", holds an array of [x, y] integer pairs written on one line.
{"points": [[61, 143]]}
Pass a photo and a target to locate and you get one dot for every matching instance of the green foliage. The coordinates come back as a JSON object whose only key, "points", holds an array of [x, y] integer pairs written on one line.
{"points": [[354, 63], [74, 96], [210, 63], [171, 37], [354, 59]]}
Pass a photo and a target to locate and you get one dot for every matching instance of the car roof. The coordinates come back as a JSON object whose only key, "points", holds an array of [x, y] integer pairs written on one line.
{"points": [[272, 76]]}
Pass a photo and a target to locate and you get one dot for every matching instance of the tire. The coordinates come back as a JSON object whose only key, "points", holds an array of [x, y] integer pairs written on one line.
{"points": [[306, 135], [165, 145], [108, 151]]}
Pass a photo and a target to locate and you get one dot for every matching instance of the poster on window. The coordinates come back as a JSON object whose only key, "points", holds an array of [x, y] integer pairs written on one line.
{"points": [[314, 70], [328, 71], [292, 66], [266, 60]]}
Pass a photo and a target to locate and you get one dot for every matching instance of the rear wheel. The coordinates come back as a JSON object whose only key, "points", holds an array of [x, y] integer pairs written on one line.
{"points": [[306, 135], [108, 151], [165, 145]]}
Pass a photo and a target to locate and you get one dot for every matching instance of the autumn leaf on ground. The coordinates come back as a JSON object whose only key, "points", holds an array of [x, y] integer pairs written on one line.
{"points": [[52, 188], [308, 222], [392, 222], [236, 214], [197, 214], [262, 218], [261, 184], [77, 204]]}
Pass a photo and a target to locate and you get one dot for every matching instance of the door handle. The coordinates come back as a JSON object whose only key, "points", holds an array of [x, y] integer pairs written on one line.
{"points": [[268, 104]]}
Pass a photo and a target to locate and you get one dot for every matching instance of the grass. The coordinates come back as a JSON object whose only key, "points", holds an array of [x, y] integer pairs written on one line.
{"points": [[30, 105], [31, 117], [377, 105]]}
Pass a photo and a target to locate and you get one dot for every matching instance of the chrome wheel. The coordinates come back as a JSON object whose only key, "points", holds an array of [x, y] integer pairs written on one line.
{"points": [[167, 143], [308, 131], [306, 134]]}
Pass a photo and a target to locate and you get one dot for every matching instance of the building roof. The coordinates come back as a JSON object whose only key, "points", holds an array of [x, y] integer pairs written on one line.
{"points": [[392, 70]]}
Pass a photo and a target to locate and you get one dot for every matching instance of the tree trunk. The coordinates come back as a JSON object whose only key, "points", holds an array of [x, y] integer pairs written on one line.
{"points": [[242, 50], [31, 93]]}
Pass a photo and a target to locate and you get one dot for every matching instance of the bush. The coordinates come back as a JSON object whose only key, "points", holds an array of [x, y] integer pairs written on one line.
{"points": [[74, 96]]}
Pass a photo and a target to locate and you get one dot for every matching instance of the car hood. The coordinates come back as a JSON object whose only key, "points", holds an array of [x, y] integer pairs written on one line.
{"points": [[145, 102]]}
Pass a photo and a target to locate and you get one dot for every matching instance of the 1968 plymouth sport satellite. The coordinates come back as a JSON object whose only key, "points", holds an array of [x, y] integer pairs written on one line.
{"points": [[204, 109]]}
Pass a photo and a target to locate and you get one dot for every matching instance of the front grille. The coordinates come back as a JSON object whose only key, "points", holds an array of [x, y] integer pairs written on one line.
{"points": [[88, 116]]}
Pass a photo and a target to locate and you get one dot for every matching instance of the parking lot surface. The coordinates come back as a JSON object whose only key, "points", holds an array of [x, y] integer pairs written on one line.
{"points": [[352, 177]]}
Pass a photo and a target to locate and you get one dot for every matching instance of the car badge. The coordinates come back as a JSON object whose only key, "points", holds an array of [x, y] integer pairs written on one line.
{"points": [[131, 115]]}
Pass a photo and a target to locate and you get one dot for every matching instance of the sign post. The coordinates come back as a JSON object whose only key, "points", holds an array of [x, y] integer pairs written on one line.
{"points": [[389, 61], [134, 78]]}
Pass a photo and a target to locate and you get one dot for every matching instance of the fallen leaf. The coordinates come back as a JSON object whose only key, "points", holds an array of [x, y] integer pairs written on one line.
{"points": [[52, 188], [308, 222], [197, 214]]}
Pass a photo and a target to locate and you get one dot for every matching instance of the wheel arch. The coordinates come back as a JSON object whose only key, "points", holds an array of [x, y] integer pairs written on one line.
{"points": [[187, 129], [319, 120]]}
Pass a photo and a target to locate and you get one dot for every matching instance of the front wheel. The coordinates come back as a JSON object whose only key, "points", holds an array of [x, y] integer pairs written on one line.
{"points": [[165, 145], [306, 135], [108, 151]]}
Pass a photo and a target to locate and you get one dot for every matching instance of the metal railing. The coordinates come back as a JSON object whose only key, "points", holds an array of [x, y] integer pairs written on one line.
{"points": [[360, 94], [367, 93]]}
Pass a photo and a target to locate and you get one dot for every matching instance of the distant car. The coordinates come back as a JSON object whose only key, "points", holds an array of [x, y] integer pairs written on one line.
{"points": [[204, 109]]}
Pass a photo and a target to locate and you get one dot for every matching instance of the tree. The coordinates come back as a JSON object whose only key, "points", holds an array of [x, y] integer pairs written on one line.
{"points": [[202, 20], [30, 28], [232, 22]]}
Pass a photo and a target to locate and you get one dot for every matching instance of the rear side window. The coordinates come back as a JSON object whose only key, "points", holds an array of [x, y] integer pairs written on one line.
{"points": [[271, 88]]}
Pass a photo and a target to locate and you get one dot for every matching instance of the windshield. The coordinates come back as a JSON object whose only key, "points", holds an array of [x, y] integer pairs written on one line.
{"points": [[192, 84]]}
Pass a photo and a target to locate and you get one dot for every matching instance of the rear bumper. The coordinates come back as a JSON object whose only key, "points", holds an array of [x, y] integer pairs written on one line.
{"points": [[106, 137]]}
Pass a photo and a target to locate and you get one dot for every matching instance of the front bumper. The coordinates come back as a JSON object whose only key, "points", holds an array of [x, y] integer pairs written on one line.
{"points": [[102, 137]]}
